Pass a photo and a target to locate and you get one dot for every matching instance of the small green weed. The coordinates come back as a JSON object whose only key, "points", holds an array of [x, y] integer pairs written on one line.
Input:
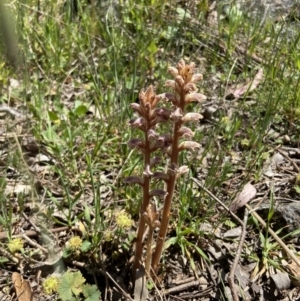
{"points": [[71, 287]]}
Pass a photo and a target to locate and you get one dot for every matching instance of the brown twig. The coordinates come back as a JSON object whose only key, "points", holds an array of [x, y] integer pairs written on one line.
{"points": [[34, 244], [219, 201], [184, 286], [8, 255], [242, 237], [262, 222], [127, 296], [289, 159], [237, 258], [275, 236], [37, 229], [30, 233]]}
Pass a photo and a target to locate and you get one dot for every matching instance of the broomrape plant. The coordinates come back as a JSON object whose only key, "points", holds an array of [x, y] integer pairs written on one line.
{"points": [[151, 113]]}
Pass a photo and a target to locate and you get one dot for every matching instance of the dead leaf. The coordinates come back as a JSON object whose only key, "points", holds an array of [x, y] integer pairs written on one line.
{"points": [[281, 280], [247, 194], [17, 188], [249, 86], [140, 286], [233, 233], [212, 19], [22, 287], [242, 275], [294, 271]]}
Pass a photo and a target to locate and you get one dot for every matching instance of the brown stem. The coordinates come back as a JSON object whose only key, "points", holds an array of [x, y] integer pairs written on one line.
{"points": [[170, 191], [146, 188], [149, 251], [237, 258]]}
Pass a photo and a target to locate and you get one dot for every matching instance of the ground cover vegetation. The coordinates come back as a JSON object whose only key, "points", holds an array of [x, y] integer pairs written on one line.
{"points": [[74, 76]]}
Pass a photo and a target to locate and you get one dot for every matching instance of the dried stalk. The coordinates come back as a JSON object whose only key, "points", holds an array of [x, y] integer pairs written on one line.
{"points": [[237, 258], [185, 90], [146, 198], [170, 190], [149, 251], [150, 115]]}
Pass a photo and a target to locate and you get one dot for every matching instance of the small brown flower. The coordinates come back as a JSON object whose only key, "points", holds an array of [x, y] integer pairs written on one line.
{"points": [[170, 83], [186, 71], [140, 123], [160, 176], [176, 115], [173, 71], [189, 145], [158, 192], [149, 97], [136, 143], [179, 80], [147, 172], [134, 180], [196, 78], [151, 216], [185, 132], [137, 108], [190, 87], [154, 161], [194, 97], [191, 117]]}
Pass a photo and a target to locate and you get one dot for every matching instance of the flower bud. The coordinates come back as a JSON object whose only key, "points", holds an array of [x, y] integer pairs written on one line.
{"points": [[169, 151], [163, 113], [160, 176], [134, 180], [137, 108], [173, 169], [154, 161], [159, 144], [168, 138], [147, 172], [152, 135], [138, 123], [170, 97], [179, 80], [196, 78], [170, 83], [185, 132], [176, 115], [190, 87], [181, 65], [188, 145], [183, 170], [151, 216], [158, 192], [163, 142], [173, 71], [191, 117], [136, 143], [194, 97]]}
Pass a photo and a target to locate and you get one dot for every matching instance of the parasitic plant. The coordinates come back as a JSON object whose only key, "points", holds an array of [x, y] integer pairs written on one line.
{"points": [[151, 114]]}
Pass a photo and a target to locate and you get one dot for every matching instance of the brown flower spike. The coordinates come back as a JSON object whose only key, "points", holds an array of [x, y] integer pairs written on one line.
{"points": [[169, 144]]}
